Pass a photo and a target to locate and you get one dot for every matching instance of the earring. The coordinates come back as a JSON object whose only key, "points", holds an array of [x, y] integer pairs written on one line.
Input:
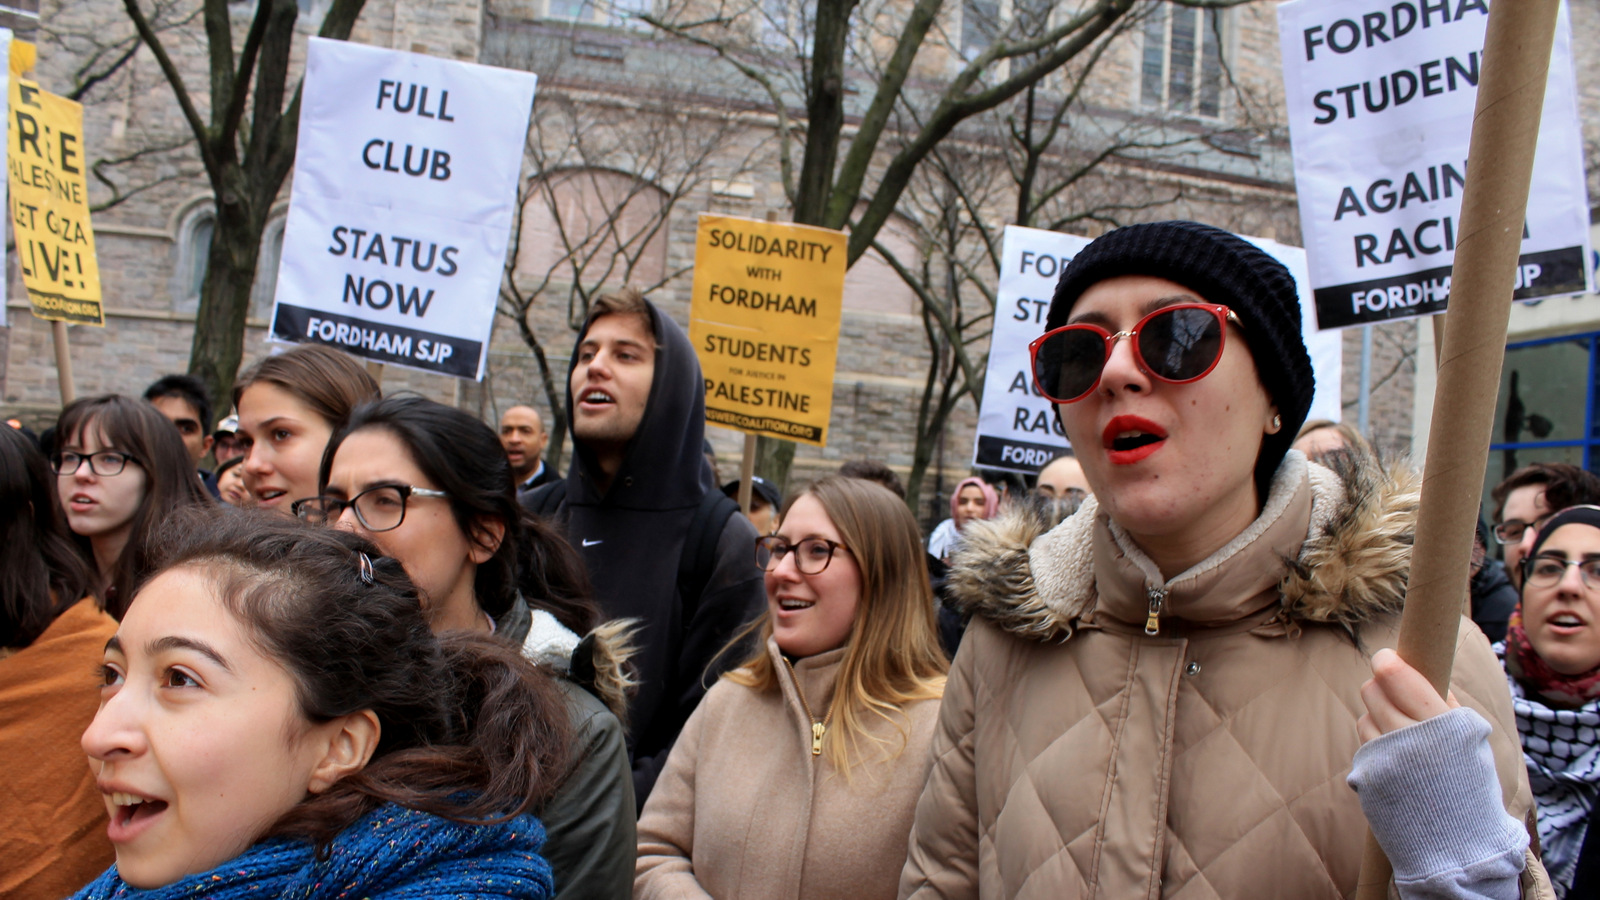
{"points": [[1277, 422]]}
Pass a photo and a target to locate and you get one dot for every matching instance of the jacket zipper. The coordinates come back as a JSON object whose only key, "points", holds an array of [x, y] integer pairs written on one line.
{"points": [[1158, 602], [818, 729]]}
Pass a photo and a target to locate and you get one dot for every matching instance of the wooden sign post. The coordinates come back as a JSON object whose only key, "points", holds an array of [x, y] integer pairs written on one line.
{"points": [[1494, 202]]}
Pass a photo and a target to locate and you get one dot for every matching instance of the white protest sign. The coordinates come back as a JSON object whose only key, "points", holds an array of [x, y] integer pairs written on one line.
{"points": [[1380, 98], [1017, 427], [405, 187]]}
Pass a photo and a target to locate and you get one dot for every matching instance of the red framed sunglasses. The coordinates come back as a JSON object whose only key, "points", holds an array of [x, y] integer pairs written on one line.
{"points": [[1176, 344]]}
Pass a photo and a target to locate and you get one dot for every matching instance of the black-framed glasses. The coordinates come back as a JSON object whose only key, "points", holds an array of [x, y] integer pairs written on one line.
{"points": [[1545, 571], [1176, 344], [380, 508], [811, 556], [105, 463], [1511, 530]]}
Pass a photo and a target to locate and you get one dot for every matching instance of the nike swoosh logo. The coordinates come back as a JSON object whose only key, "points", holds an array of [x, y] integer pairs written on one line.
{"points": [[589, 543]]}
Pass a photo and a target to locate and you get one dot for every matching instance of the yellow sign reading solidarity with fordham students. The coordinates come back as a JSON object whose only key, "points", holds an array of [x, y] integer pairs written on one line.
{"points": [[764, 319], [50, 205]]}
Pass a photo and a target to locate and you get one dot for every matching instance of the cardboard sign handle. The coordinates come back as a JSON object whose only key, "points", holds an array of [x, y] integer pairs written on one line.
{"points": [[1505, 128]]}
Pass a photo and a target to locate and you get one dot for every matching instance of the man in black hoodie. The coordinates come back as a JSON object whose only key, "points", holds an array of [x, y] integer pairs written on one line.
{"points": [[630, 504]]}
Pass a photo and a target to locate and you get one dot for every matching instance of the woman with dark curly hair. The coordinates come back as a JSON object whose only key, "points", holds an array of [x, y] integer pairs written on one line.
{"points": [[278, 720]]}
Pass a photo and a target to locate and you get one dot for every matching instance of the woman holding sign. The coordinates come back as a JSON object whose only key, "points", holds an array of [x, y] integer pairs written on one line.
{"points": [[1161, 695]]}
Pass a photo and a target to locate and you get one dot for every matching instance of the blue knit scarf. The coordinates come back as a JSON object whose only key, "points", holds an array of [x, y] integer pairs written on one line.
{"points": [[393, 852]]}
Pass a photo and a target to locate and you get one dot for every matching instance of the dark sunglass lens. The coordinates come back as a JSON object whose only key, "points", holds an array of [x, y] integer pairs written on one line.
{"points": [[1069, 362], [1180, 344]]}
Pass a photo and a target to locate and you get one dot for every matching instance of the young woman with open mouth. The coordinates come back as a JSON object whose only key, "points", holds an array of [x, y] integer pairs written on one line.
{"points": [[278, 720], [1162, 695], [1552, 657], [289, 405], [121, 470], [797, 774]]}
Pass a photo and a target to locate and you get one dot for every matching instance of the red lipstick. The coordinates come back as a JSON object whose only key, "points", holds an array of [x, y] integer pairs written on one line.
{"points": [[1129, 439]]}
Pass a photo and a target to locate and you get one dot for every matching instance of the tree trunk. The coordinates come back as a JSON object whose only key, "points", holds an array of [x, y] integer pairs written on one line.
{"points": [[218, 345]]}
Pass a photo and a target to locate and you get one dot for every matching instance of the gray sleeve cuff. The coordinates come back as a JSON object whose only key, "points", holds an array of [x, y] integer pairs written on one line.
{"points": [[1431, 794]]}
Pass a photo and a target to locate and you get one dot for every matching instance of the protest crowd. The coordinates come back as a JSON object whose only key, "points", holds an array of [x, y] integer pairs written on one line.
{"points": [[321, 641]]}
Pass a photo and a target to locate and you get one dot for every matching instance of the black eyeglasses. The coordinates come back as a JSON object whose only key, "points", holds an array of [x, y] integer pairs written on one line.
{"points": [[1511, 530], [1176, 344], [105, 463], [380, 508], [811, 556], [1546, 571]]}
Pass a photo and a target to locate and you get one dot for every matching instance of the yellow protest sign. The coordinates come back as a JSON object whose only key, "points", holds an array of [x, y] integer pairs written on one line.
{"points": [[764, 319], [50, 205]]}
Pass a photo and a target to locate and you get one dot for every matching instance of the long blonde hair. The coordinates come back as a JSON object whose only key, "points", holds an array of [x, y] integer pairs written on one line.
{"points": [[892, 656]]}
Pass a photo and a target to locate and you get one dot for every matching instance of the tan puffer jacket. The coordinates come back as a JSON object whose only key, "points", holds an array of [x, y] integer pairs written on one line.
{"points": [[1078, 756]]}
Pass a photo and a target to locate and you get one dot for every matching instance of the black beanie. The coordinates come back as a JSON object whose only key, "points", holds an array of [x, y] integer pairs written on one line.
{"points": [[1222, 268]]}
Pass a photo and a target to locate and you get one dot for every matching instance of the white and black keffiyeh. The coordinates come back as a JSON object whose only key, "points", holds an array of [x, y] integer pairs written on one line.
{"points": [[1562, 750]]}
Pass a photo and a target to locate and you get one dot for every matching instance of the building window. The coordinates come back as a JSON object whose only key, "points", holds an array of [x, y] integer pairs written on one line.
{"points": [[980, 25], [596, 12], [1549, 408], [1182, 65], [194, 251], [266, 284]]}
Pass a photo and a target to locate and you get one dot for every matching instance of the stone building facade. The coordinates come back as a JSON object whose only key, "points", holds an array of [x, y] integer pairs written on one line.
{"points": [[621, 81]]}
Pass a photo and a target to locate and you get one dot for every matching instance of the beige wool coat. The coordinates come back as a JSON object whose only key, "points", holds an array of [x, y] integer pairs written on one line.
{"points": [[1077, 756], [744, 811]]}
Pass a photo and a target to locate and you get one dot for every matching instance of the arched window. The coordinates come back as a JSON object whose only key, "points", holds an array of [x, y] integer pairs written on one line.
{"points": [[593, 226], [194, 249], [266, 284]]}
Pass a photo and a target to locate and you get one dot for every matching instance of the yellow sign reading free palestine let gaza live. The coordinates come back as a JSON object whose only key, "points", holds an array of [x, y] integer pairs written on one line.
{"points": [[50, 206], [764, 319]]}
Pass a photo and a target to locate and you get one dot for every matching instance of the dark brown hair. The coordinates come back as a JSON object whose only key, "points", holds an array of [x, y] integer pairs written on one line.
{"points": [[1564, 485], [872, 470], [626, 301], [469, 729], [42, 571], [463, 456], [330, 382], [137, 429]]}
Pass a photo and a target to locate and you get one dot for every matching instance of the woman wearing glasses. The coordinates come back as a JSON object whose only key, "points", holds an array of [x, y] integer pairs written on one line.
{"points": [[121, 469], [1552, 657], [798, 773], [430, 485], [1160, 696]]}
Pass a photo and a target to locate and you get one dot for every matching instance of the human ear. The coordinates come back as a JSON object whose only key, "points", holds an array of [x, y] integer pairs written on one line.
{"points": [[487, 533], [208, 442], [350, 746]]}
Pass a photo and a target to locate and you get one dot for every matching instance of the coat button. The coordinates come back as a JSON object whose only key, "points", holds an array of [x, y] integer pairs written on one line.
{"points": [[1193, 668]]}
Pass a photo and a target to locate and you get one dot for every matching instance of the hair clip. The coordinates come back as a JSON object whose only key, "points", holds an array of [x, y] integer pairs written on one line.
{"points": [[366, 568]]}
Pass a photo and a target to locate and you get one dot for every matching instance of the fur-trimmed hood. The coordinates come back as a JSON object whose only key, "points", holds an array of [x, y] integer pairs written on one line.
{"points": [[597, 661], [1040, 582]]}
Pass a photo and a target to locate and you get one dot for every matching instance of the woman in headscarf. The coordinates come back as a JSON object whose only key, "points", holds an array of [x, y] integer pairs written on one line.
{"points": [[1552, 658], [973, 499]]}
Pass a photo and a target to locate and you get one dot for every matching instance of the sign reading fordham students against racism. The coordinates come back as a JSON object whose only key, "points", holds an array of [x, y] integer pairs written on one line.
{"points": [[50, 205], [1017, 427], [1380, 97], [405, 186], [764, 319]]}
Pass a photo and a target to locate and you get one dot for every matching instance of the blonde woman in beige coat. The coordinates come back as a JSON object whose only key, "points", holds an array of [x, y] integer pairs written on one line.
{"points": [[1172, 693], [797, 775]]}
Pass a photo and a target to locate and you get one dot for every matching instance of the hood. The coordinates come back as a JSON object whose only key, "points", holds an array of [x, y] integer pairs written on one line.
{"points": [[1351, 568], [664, 466]]}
